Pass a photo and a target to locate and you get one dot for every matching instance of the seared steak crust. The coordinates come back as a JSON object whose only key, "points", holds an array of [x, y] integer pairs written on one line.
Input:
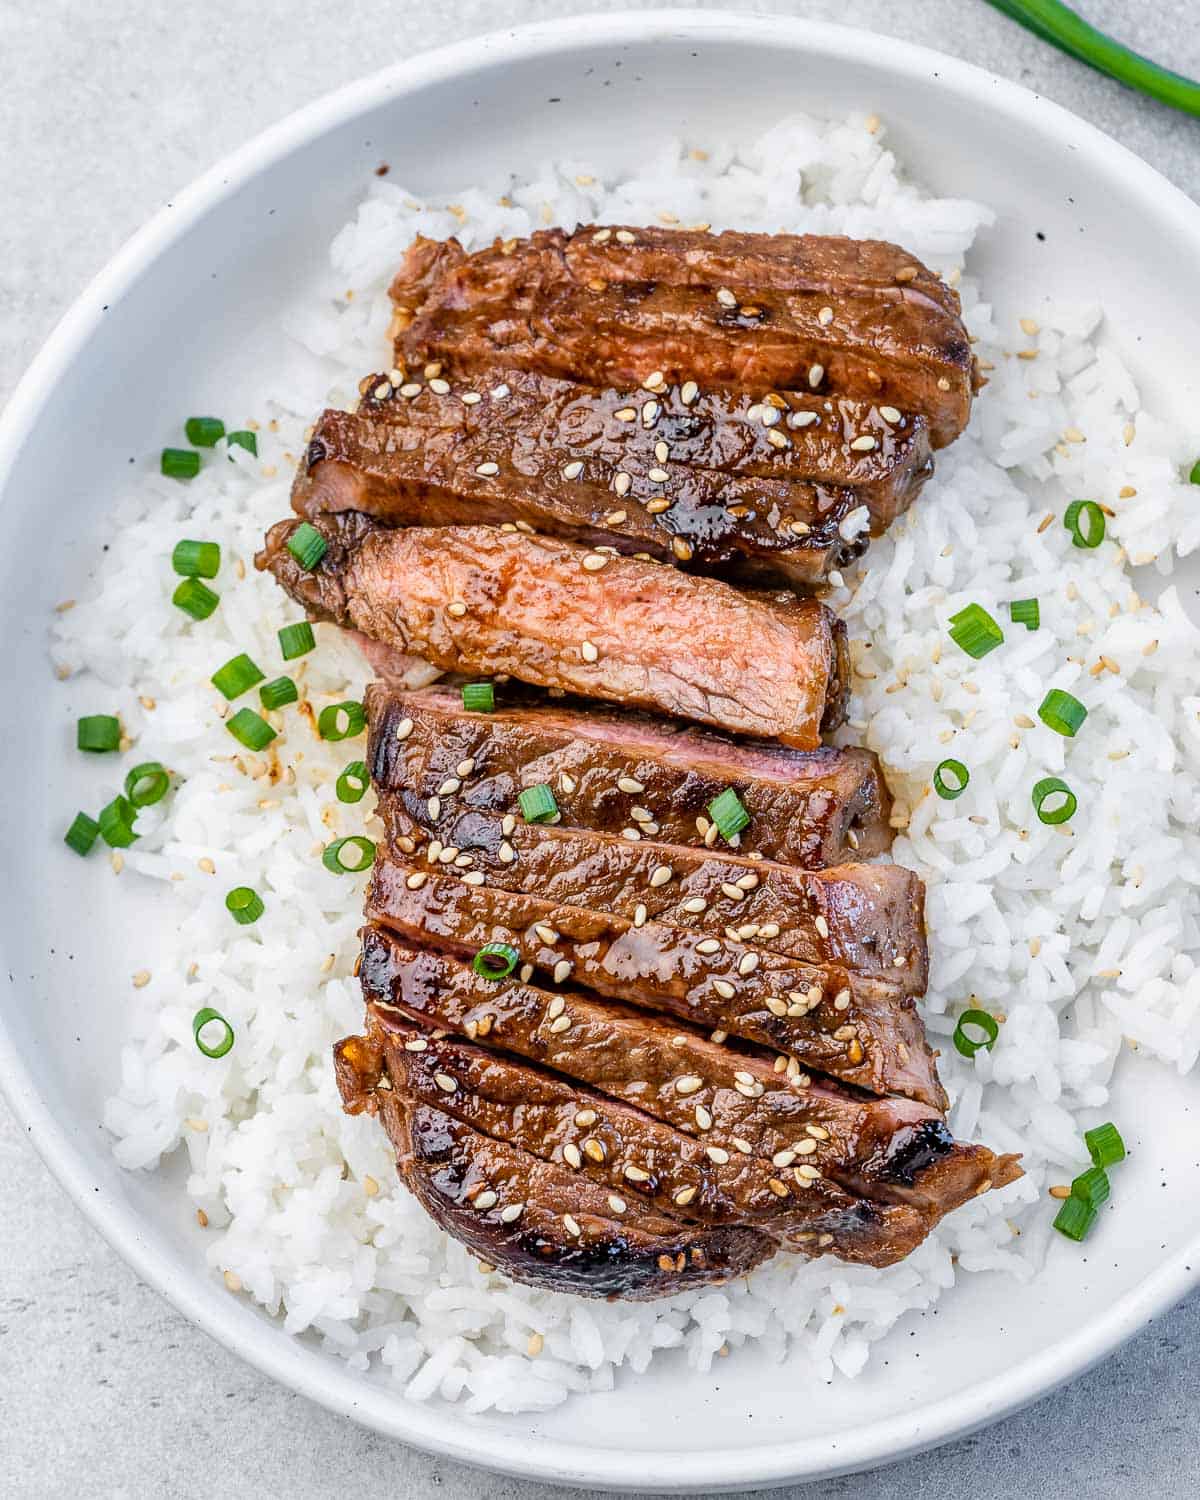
{"points": [[826, 1019], [692, 478], [808, 808], [615, 306]]}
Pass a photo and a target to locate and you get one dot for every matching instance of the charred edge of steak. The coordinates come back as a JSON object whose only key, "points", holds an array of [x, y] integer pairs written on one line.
{"points": [[566, 1237], [321, 589]]}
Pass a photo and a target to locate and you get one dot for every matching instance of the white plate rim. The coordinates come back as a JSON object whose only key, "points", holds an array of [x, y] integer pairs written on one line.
{"points": [[439, 1430]]}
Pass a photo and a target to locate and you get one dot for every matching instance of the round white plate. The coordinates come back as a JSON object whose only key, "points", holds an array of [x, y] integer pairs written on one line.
{"points": [[186, 319]]}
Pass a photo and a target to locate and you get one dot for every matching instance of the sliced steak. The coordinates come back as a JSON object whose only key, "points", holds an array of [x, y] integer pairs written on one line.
{"points": [[566, 1237], [828, 1020], [696, 1181], [811, 808], [613, 306], [731, 485], [478, 600], [867, 918], [894, 1151]]}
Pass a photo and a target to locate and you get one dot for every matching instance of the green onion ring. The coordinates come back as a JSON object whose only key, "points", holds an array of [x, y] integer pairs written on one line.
{"points": [[332, 857], [960, 774], [968, 1045], [1085, 521], [204, 1018], [147, 784], [495, 960], [1051, 786]]}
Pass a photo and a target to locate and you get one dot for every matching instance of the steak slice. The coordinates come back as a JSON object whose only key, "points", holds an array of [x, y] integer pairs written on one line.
{"points": [[700, 480], [613, 306], [475, 599], [696, 1181], [811, 808], [867, 918], [854, 1028], [892, 1151], [566, 1237]]}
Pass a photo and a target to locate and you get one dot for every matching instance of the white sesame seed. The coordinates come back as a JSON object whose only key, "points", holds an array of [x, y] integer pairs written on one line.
{"points": [[550, 936], [725, 297], [803, 418], [748, 963], [816, 373], [825, 317], [434, 807], [688, 1084], [526, 973], [445, 1083], [508, 825], [571, 1225], [511, 1213], [594, 561], [740, 1145], [658, 476], [573, 470], [418, 1044], [507, 854], [778, 439], [661, 875], [640, 915], [694, 904], [628, 784], [410, 390], [449, 787], [631, 834], [768, 415], [625, 237], [440, 387], [566, 783], [571, 1156], [684, 1196], [617, 1205], [731, 891], [704, 1118], [723, 988], [889, 414], [842, 1000], [470, 398], [382, 391], [783, 1158], [486, 1200], [416, 880], [594, 1149], [635, 1174], [622, 482], [564, 1022], [708, 945], [807, 1171], [601, 236], [501, 391], [863, 444], [717, 1154], [561, 970], [625, 414], [404, 729], [777, 1007], [473, 877], [589, 652], [689, 392], [822, 926]]}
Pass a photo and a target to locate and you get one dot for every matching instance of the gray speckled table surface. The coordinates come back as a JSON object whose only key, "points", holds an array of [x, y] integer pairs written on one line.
{"points": [[107, 107]]}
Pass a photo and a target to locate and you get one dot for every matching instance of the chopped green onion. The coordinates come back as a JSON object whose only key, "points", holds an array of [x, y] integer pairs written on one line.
{"points": [[147, 784], [204, 431], [195, 598], [180, 463], [495, 960], [1105, 1145], [98, 733], [978, 1020], [1092, 1187], [278, 693], [1027, 612], [208, 1017], [244, 905], [307, 546], [250, 729], [82, 833], [1061, 812], [296, 640], [1085, 521], [363, 847], [1074, 1218], [975, 631], [957, 785], [116, 823], [1061, 712], [341, 721], [243, 439], [352, 784], [196, 559], [729, 814], [1194, 476], [537, 804], [237, 676], [479, 697]]}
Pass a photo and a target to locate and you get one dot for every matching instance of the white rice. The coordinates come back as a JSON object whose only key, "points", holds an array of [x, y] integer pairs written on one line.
{"points": [[1079, 936]]}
